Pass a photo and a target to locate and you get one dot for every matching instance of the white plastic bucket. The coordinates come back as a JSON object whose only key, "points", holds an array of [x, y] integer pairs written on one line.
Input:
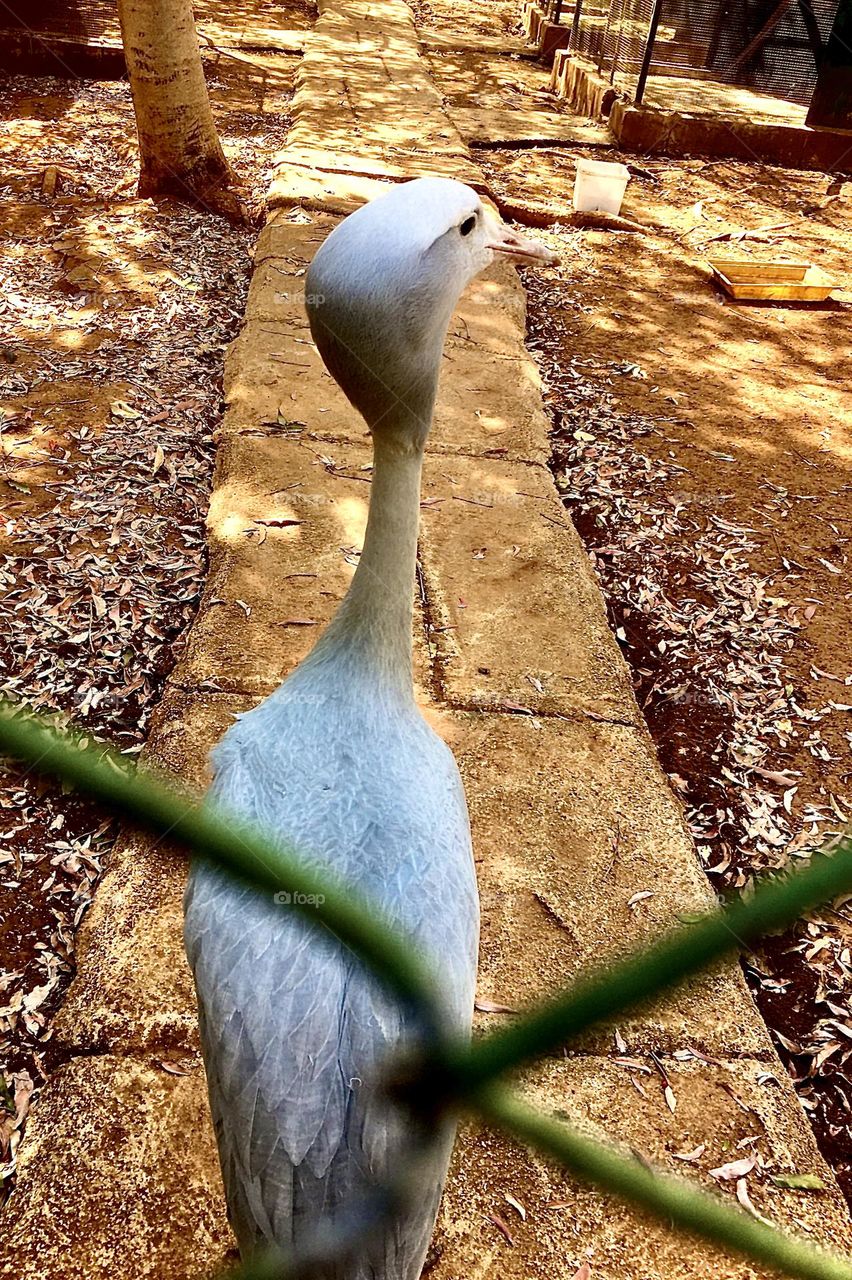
{"points": [[599, 186]]}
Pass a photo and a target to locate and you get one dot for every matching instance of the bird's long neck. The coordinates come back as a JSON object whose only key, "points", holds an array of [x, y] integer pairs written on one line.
{"points": [[370, 634]]}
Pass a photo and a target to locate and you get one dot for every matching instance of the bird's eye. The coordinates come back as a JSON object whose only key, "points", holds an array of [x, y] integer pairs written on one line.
{"points": [[468, 225]]}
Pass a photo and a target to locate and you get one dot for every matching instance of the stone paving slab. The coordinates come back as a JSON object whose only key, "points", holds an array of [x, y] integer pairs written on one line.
{"points": [[285, 524], [291, 512], [488, 408], [495, 537], [570, 820], [133, 991], [339, 104], [374, 112], [284, 528], [494, 127], [294, 186], [161, 1211], [567, 1224], [291, 237], [380, 158], [127, 1151], [491, 314], [434, 40], [254, 37], [331, 186]]}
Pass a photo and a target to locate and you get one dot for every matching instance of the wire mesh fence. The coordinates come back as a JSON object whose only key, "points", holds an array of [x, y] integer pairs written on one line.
{"points": [[453, 1075], [64, 38], [771, 46], [80, 19]]}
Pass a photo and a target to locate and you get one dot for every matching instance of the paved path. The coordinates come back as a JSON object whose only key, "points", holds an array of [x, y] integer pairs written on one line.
{"points": [[516, 667]]}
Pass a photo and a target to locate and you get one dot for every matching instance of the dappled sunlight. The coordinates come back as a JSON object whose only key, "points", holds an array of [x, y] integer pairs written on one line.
{"points": [[233, 524], [239, 515], [250, 20], [492, 425], [488, 80], [646, 311], [116, 313], [352, 515], [699, 97], [71, 339], [30, 448], [497, 21]]}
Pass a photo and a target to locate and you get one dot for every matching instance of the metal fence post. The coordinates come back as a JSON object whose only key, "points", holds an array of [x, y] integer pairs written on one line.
{"points": [[649, 51], [575, 23], [605, 37]]}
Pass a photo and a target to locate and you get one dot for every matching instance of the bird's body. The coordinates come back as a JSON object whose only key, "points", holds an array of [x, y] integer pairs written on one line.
{"points": [[294, 1028], [340, 763]]}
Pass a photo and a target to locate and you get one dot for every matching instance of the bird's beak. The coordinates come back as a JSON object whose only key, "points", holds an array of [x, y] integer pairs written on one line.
{"points": [[511, 244]]}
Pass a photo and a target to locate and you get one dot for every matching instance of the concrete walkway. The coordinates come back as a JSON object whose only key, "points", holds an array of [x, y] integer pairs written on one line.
{"points": [[516, 667]]}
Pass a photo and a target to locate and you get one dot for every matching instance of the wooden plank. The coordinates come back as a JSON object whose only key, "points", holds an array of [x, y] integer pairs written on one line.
{"points": [[773, 281]]}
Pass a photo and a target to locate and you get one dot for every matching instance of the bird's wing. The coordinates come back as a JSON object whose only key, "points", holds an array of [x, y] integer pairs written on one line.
{"points": [[291, 1028]]}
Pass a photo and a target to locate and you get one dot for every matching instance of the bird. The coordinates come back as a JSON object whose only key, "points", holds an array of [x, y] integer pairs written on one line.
{"points": [[340, 763]]}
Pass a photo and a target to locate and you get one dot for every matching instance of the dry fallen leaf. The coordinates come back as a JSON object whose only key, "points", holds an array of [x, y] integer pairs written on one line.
{"points": [[491, 1006], [501, 1227], [690, 1157], [735, 1169], [517, 1206], [743, 1198], [174, 1068], [121, 409]]}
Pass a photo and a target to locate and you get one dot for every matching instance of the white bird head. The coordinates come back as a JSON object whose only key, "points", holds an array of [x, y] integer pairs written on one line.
{"points": [[382, 287]]}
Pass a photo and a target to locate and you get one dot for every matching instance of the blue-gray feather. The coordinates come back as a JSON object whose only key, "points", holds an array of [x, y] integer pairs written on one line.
{"points": [[295, 1033]]}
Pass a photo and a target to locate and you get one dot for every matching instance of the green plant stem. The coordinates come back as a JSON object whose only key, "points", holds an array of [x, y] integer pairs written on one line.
{"points": [[239, 849], [670, 1199], [246, 854], [663, 964]]}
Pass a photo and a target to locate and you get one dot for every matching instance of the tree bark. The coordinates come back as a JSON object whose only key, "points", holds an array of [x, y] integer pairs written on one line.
{"points": [[179, 150], [831, 105]]}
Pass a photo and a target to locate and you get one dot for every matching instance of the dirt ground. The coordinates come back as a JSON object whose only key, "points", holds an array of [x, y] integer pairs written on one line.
{"points": [[114, 316], [705, 453], [482, 19]]}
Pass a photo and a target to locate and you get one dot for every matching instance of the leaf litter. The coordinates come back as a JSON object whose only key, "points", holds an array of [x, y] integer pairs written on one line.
{"points": [[114, 316], [719, 572]]}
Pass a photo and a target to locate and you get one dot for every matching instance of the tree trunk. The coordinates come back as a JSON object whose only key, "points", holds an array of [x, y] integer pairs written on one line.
{"points": [[831, 105], [179, 149]]}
